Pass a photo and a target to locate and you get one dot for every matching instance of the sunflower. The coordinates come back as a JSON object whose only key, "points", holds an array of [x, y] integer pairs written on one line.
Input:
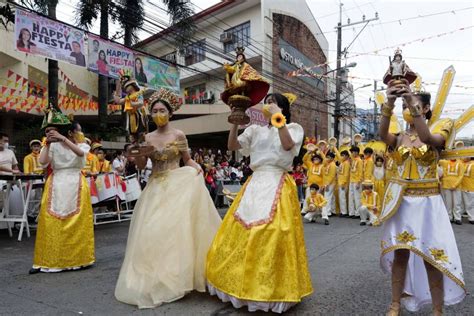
{"points": [[278, 120]]}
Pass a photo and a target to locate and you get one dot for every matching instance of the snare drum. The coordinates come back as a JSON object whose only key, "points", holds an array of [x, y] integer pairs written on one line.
{"points": [[133, 188]]}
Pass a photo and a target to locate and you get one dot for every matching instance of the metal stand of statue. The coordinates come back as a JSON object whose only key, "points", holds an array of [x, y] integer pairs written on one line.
{"points": [[244, 87]]}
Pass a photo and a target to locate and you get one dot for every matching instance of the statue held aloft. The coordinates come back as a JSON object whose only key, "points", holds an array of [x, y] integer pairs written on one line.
{"points": [[244, 87], [398, 72]]}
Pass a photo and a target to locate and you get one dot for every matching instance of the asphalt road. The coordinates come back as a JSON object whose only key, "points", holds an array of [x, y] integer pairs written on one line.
{"points": [[343, 257]]}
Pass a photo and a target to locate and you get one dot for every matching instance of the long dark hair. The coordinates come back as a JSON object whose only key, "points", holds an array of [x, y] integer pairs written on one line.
{"points": [[141, 66], [425, 98], [20, 43], [282, 103], [105, 56]]}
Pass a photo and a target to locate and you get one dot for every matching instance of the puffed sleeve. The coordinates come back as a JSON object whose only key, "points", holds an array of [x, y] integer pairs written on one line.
{"points": [[182, 143], [245, 140], [445, 128], [297, 134], [85, 148]]}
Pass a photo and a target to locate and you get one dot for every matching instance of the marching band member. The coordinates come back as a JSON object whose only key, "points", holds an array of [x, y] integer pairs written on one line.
{"points": [[312, 162], [358, 142], [418, 245], [453, 171], [343, 180], [245, 264], [65, 235], [368, 164], [31, 163], [467, 188], [346, 145], [379, 180], [103, 165], [329, 185], [316, 204], [91, 161], [323, 148], [174, 220], [368, 208], [356, 177]]}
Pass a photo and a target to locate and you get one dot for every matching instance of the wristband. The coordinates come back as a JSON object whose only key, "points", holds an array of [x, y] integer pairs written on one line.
{"points": [[386, 110]]}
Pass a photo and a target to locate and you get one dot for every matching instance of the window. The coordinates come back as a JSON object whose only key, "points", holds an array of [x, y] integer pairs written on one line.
{"points": [[195, 94], [195, 53], [171, 57], [241, 37]]}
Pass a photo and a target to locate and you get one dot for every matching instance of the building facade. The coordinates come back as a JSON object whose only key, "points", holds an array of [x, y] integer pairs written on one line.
{"points": [[266, 29]]}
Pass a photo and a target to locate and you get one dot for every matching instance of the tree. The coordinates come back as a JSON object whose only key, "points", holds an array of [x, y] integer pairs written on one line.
{"points": [[48, 7], [88, 11]]}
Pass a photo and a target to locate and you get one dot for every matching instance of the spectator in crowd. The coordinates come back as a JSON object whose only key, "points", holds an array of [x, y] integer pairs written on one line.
{"points": [[8, 162], [300, 179], [118, 163]]}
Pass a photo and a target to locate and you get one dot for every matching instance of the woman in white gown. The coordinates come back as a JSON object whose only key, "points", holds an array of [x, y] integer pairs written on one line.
{"points": [[418, 244], [174, 220]]}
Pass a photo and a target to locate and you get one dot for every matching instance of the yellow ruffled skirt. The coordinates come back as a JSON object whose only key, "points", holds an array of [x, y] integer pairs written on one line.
{"points": [[64, 244], [264, 263]]}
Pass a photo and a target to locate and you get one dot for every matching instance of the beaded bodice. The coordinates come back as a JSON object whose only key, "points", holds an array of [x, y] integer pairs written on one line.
{"points": [[168, 157]]}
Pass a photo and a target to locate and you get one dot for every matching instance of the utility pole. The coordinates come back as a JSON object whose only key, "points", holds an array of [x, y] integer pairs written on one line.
{"points": [[375, 109], [339, 27]]}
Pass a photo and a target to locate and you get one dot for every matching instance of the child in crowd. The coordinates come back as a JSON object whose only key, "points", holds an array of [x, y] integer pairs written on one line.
{"points": [[315, 202]]}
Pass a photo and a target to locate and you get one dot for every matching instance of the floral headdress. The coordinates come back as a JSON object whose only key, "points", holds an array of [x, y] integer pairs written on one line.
{"points": [[166, 95]]}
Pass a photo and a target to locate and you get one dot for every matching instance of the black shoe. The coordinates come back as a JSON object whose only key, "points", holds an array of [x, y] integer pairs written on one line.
{"points": [[326, 222], [34, 271], [452, 221], [352, 216], [346, 215], [341, 215], [363, 223], [458, 222], [471, 222]]}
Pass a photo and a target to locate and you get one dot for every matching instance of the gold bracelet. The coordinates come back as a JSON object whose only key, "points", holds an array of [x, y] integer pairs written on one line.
{"points": [[386, 110], [415, 110]]}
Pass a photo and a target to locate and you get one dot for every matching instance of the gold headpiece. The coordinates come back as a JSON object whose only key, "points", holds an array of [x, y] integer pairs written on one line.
{"points": [[239, 50], [291, 97], [169, 97]]}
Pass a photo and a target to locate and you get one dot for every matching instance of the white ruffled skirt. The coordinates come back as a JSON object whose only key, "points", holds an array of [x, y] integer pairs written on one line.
{"points": [[422, 226], [173, 225]]}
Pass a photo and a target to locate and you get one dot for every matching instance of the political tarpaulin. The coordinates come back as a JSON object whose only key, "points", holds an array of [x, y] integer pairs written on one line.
{"points": [[155, 74], [107, 58], [38, 35]]}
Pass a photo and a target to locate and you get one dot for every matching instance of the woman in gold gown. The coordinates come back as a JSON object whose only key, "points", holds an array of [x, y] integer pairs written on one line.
{"points": [[174, 220], [65, 235], [258, 257]]}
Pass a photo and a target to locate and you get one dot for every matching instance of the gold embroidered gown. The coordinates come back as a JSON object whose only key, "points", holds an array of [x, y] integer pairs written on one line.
{"points": [[258, 257], [173, 225], [415, 218], [65, 235]]}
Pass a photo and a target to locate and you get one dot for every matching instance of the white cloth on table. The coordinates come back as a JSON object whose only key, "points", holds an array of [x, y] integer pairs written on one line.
{"points": [[422, 226]]}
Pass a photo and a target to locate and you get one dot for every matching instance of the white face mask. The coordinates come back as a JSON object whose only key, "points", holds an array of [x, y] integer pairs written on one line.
{"points": [[6, 145]]}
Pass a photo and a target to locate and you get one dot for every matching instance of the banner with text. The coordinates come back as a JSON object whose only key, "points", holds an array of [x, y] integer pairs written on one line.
{"points": [[37, 35], [155, 74], [107, 58]]}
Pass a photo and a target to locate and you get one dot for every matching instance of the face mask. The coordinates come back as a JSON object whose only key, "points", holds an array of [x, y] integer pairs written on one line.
{"points": [[407, 116], [313, 192], [79, 137], [161, 119], [5, 146], [100, 156], [266, 111]]}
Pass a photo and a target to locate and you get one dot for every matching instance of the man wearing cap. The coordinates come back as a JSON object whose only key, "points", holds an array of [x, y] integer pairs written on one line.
{"points": [[91, 160], [368, 208], [31, 163]]}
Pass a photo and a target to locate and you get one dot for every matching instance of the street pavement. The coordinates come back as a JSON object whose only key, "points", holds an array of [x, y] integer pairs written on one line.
{"points": [[343, 259]]}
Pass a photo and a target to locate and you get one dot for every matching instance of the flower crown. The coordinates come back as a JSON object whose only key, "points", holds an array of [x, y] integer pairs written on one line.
{"points": [[166, 95]]}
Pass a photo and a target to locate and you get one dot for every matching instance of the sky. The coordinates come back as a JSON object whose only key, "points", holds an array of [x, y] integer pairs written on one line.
{"points": [[400, 21]]}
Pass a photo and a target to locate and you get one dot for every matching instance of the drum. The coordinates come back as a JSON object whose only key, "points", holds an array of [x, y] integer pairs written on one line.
{"points": [[133, 188]]}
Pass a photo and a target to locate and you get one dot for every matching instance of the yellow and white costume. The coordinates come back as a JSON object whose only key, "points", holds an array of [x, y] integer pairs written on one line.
{"points": [[356, 177], [258, 257], [316, 202], [379, 184], [452, 175], [343, 178], [467, 189], [329, 182], [65, 235], [416, 219], [172, 228], [368, 201]]}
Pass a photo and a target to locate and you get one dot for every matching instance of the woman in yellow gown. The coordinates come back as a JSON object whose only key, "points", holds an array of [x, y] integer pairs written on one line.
{"points": [[65, 235], [258, 257], [174, 220]]}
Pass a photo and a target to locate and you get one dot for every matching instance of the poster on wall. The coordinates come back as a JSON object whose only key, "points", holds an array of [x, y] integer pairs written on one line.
{"points": [[107, 58], [37, 35], [155, 74]]}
